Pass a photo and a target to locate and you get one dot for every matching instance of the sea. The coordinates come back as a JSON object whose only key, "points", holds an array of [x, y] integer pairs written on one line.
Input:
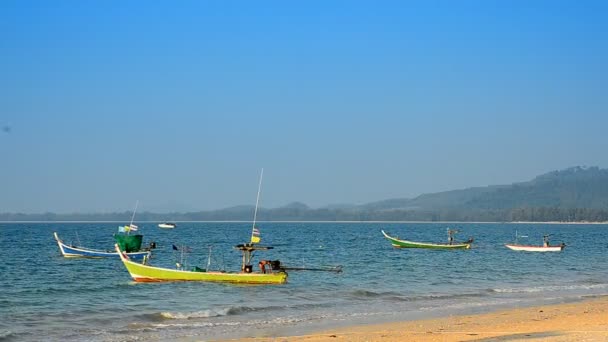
{"points": [[45, 297]]}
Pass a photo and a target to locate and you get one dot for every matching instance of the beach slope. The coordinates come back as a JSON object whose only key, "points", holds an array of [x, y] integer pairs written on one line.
{"points": [[581, 321]]}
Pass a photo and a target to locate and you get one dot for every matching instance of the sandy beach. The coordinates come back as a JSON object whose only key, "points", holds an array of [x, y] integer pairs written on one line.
{"points": [[580, 321]]}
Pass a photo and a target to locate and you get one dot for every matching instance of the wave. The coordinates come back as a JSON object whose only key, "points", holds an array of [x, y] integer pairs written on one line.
{"points": [[593, 281], [453, 296], [465, 305], [209, 313], [7, 335], [69, 289], [225, 311], [367, 294], [233, 310], [394, 296], [171, 323], [553, 288]]}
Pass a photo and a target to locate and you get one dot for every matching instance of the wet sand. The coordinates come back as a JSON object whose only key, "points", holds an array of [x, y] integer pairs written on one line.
{"points": [[580, 321]]}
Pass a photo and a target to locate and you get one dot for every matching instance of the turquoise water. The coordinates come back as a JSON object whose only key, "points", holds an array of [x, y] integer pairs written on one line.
{"points": [[47, 297]]}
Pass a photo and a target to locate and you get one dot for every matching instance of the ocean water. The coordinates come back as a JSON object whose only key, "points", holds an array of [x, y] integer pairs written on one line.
{"points": [[47, 297]]}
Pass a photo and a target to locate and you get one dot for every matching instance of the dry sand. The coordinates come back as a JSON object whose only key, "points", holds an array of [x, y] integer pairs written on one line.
{"points": [[581, 321]]}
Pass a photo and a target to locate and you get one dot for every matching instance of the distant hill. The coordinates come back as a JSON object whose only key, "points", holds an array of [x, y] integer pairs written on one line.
{"points": [[573, 194], [296, 205], [575, 187], [389, 204], [439, 200]]}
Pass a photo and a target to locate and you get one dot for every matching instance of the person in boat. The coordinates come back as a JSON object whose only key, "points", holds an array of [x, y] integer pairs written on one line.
{"points": [[263, 264], [546, 241]]}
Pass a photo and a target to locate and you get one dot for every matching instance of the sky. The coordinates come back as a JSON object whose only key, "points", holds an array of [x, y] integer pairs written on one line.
{"points": [[179, 105]]}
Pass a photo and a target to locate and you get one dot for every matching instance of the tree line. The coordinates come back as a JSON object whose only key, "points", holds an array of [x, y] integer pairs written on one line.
{"points": [[531, 214]]}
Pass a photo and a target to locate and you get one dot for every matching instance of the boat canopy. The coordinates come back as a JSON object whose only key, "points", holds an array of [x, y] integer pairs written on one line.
{"points": [[247, 249], [251, 247], [128, 243]]}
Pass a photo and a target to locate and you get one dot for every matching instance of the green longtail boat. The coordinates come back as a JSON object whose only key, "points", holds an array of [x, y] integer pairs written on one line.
{"points": [[397, 243]]}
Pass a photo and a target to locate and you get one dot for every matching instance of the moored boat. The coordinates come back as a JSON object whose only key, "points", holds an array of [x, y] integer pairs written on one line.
{"points": [[528, 248], [398, 243], [546, 247], [273, 275], [167, 225], [71, 251], [146, 273]]}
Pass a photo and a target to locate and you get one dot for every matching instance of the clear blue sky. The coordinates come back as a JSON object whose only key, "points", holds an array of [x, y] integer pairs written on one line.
{"points": [[180, 103]]}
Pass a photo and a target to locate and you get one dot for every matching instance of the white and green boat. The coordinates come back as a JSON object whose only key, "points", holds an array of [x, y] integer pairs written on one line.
{"points": [[398, 243]]}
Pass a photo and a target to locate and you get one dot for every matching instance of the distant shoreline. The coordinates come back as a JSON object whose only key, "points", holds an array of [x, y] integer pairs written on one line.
{"points": [[249, 221]]}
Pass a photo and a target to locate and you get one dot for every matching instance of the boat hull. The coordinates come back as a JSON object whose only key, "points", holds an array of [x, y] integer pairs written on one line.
{"points": [[83, 252], [144, 273], [534, 248], [397, 243], [166, 225]]}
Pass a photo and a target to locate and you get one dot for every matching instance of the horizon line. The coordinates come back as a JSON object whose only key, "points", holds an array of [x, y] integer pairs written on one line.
{"points": [[313, 221]]}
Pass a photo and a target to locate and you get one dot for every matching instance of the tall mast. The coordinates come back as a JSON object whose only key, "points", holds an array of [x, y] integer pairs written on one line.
{"points": [[257, 200], [134, 210], [209, 260]]}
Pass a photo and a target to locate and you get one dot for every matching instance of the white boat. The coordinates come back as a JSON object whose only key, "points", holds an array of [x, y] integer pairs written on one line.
{"points": [[536, 248], [71, 251], [167, 225], [529, 248]]}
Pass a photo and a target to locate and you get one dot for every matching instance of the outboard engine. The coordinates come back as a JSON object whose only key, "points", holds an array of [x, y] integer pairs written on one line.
{"points": [[275, 264]]}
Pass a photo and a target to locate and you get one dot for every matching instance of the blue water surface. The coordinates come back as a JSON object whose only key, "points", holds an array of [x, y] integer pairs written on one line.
{"points": [[47, 297]]}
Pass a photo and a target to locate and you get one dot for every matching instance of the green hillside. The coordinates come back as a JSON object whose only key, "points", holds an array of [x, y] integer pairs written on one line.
{"points": [[575, 187], [573, 194]]}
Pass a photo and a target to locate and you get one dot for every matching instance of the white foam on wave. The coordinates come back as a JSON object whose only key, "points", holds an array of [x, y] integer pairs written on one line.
{"points": [[192, 325], [196, 314], [537, 289], [198, 324], [467, 305], [6, 333], [206, 324]]}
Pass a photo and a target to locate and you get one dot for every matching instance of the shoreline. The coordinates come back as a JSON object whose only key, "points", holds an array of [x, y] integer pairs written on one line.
{"points": [[585, 320]]}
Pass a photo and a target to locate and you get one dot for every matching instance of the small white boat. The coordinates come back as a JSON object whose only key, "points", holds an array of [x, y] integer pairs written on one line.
{"points": [[167, 225], [528, 248], [536, 248]]}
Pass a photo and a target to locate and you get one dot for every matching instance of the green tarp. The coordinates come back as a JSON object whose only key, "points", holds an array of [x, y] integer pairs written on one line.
{"points": [[128, 243]]}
